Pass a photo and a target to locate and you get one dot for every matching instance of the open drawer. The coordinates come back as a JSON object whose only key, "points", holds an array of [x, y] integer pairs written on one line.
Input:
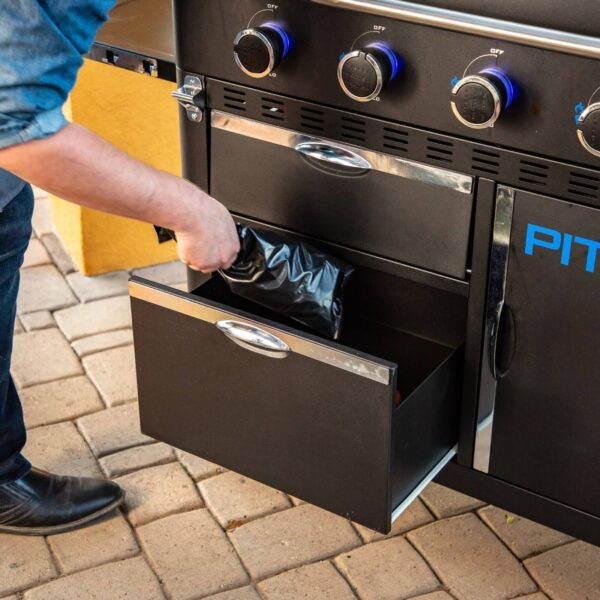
{"points": [[355, 427]]}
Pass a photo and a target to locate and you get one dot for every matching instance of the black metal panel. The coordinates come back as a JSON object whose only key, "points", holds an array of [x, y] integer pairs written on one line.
{"points": [[316, 431], [534, 173], [540, 121], [545, 432], [397, 218]]}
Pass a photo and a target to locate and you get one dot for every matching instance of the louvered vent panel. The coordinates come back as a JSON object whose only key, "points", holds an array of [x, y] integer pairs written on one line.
{"points": [[485, 161], [272, 109], [584, 185], [353, 129], [395, 139], [440, 150], [234, 99], [533, 173], [312, 119]]}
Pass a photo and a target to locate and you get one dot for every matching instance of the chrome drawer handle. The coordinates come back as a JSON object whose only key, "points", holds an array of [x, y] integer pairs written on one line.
{"points": [[334, 154], [254, 339]]}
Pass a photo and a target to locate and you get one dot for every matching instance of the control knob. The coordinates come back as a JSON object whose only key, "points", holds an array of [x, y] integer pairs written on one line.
{"points": [[478, 100], [588, 129], [259, 50], [364, 73]]}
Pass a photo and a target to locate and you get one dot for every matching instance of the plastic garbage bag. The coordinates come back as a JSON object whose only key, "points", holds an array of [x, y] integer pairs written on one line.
{"points": [[290, 277]]}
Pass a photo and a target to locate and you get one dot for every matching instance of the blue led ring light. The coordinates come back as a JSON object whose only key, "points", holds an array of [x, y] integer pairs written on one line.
{"points": [[395, 62], [285, 38], [506, 82]]}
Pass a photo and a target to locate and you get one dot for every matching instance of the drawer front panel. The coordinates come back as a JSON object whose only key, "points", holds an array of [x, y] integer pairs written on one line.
{"points": [[397, 209], [301, 424]]}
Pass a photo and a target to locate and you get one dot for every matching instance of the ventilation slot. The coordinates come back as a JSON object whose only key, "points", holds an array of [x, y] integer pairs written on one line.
{"points": [[584, 185], [234, 99], [533, 173], [273, 109], [353, 129], [395, 139], [485, 161], [312, 119], [440, 150]]}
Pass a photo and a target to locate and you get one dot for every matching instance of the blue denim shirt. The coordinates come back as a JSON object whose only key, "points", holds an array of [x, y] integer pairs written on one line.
{"points": [[41, 47]]}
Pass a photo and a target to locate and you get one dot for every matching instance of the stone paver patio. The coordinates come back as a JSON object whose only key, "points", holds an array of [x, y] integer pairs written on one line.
{"points": [[192, 530]]}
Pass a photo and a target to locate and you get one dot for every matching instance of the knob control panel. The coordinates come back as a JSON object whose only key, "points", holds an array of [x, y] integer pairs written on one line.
{"points": [[364, 73], [477, 101], [588, 129], [259, 50]]}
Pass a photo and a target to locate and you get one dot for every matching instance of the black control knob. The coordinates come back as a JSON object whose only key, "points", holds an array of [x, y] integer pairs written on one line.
{"points": [[364, 73], [259, 50], [588, 129], [478, 100]]}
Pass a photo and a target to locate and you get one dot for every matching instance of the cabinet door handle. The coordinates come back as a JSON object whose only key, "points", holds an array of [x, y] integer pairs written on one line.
{"points": [[334, 154], [252, 338]]}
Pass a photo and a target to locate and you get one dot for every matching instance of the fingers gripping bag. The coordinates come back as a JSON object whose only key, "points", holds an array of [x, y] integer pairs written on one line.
{"points": [[290, 277]]}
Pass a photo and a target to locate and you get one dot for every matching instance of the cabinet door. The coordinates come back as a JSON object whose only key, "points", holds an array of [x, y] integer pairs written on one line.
{"points": [[541, 373]]}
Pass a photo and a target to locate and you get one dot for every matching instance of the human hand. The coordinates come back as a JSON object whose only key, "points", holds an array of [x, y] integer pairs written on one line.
{"points": [[210, 240]]}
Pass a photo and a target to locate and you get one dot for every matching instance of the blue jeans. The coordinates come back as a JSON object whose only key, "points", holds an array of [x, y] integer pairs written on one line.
{"points": [[15, 232]]}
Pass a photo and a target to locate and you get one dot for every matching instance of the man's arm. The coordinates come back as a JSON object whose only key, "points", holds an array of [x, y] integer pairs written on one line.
{"points": [[77, 165]]}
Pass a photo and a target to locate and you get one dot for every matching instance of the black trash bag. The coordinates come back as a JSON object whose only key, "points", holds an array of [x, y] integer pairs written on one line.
{"points": [[288, 276], [291, 278]]}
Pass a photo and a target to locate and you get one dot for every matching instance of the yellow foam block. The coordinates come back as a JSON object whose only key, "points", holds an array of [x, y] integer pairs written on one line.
{"points": [[137, 114]]}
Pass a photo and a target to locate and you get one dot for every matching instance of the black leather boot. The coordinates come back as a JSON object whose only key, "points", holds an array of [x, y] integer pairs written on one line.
{"points": [[43, 504]]}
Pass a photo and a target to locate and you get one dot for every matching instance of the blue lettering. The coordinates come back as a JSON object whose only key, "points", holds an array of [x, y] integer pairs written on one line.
{"points": [[590, 264], [552, 244], [565, 256]]}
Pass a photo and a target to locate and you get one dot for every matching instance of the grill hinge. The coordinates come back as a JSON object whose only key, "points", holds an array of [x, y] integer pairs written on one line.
{"points": [[191, 97]]}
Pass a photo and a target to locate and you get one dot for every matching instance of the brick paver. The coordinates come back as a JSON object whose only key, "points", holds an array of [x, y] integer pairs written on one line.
{"points": [[291, 538], [113, 373], [24, 562], [470, 560], [41, 319], [570, 572], [245, 593], [60, 400], [94, 317], [130, 579], [113, 430], [414, 516], [168, 273], [106, 541], [444, 502], [41, 356], [59, 255], [522, 536], [319, 580], [42, 216], [387, 570], [249, 538], [60, 449], [157, 492], [103, 341], [136, 458], [36, 255], [44, 288], [101, 286], [192, 555], [235, 499], [197, 467]]}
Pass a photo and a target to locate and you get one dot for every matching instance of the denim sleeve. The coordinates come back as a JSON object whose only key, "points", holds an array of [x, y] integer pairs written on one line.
{"points": [[41, 47]]}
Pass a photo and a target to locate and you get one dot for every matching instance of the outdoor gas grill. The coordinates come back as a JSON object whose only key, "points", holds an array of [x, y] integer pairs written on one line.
{"points": [[454, 159]]}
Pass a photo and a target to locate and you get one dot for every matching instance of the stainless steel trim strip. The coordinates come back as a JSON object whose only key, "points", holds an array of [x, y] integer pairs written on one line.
{"points": [[505, 199], [192, 307], [424, 483], [529, 35], [385, 163]]}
